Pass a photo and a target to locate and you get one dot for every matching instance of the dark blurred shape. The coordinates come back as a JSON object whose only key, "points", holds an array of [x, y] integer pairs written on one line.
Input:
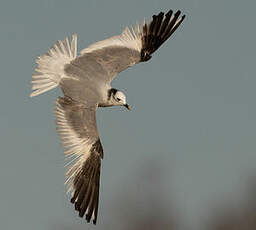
{"points": [[144, 204], [242, 217]]}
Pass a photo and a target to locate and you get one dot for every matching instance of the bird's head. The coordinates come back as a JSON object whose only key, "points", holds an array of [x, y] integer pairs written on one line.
{"points": [[119, 98]]}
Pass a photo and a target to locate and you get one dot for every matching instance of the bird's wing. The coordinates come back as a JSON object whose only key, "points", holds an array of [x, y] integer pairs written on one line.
{"points": [[113, 55], [77, 129]]}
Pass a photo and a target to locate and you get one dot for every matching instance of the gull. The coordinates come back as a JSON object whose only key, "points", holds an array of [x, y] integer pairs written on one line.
{"points": [[85, 81]]}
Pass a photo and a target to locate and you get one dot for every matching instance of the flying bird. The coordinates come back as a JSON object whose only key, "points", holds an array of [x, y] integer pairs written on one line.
{"points": [[85, 81]]}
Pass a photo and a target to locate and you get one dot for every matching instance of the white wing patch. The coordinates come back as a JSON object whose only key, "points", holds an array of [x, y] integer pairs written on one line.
{"points": [[50, 66], [130, 38], [77, 149]]}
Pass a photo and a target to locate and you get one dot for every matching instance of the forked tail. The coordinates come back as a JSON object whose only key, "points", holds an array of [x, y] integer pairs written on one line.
{"points": [[50, 66]]}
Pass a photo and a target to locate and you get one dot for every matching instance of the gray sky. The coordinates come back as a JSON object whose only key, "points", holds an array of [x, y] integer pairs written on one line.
{"points": [[193, 112]]}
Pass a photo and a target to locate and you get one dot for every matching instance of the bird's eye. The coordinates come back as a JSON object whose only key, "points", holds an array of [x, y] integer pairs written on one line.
{"points": [[118, 99]]}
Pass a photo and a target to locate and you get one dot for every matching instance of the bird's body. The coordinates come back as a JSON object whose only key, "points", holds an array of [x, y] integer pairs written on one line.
{"points": [[86, 84]]}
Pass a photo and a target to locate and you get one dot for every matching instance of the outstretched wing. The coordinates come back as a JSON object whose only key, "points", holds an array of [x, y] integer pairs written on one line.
{"points": [[113, 55], [77, 128]]}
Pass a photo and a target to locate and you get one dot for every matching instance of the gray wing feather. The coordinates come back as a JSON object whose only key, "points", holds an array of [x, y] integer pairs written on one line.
{"points": [[103, 60], [104, 64], [80, 119], [77, 128]]}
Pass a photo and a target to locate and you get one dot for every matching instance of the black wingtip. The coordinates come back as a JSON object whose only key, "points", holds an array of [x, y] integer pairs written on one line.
{"points": [[73, 200], [80, 214], [77, 207], [86, 185], [88, 218], [158, 31], [169, 12], [178, 13]]}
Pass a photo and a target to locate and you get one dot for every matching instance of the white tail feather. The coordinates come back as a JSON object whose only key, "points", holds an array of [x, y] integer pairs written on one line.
{"points": [[50, 66]]}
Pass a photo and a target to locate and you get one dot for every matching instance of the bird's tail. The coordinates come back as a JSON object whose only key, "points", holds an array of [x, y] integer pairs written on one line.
{"points": [[50, 66]]}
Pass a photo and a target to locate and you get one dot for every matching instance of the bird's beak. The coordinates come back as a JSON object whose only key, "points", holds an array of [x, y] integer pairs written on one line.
{"points": [[127, 106]]}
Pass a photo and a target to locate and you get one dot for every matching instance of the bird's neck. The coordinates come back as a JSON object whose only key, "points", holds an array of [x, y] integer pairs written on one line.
{"points": [[108, 100], [111, 92]]}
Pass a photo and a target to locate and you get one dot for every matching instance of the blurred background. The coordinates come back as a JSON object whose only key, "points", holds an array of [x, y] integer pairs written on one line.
{"points": [[184, 157]]}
